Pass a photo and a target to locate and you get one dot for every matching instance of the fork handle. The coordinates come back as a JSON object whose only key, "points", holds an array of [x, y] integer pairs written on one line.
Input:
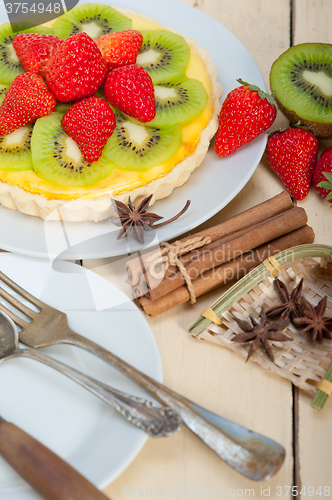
{"points": [[46, 472], [155, 420], [253, 455]]}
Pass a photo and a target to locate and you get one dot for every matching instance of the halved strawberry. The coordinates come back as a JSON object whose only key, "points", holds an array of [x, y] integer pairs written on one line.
{"points": [[120, 48], [77, 70], [35, 50], [130, 89], [90, 123], [26, 100]]}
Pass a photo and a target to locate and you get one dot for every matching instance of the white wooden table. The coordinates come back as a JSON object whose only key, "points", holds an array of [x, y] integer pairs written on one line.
{"points": [[181, 466]]}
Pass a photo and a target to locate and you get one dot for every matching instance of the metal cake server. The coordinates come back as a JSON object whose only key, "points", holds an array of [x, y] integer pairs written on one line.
{"points": [[251, 454], [155, 420]]}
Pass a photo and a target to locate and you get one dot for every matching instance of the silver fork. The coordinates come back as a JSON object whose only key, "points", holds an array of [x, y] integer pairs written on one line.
{"points": [[253, 455], [155, 420]]}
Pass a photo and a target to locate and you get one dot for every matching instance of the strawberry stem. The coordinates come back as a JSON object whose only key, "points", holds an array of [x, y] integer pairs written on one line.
{"points": [[263, 95]]}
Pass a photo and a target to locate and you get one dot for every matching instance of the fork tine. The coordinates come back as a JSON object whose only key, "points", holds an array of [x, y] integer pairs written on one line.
{"points": [[19, 321], [17, 303], [21, 291]]}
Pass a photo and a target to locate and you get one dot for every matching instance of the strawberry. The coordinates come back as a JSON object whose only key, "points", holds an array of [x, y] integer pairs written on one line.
{"points": [[34, 51], [322, 178], [77, 70], [120, 48], [246, 112], [26, 100], [90, 123], [292, 154], [130, 89]]}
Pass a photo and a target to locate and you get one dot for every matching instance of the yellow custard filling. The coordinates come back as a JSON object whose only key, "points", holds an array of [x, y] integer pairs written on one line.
{"points": [[120, 181]]}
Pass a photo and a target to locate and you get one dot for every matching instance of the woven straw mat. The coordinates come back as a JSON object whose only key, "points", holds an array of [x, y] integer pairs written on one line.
{"points": [[301, 361]]}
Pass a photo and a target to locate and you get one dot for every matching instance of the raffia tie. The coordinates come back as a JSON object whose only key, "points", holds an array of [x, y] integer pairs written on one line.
{"points": [[169, 256]]}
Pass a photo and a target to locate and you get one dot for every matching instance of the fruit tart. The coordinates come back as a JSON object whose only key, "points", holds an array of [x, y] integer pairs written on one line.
{"points": [[104, 103]]}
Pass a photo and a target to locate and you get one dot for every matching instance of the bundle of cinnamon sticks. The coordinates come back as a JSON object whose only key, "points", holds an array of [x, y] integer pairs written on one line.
{"points": [[217, 255]]}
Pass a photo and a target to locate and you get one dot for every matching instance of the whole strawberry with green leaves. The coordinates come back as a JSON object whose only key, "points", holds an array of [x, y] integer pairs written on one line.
{"points": [[322, 178], [292, 154], [246, 113]]}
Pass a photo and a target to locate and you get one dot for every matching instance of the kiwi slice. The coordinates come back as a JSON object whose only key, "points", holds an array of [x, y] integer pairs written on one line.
{"points": [[3, 90], [95, 19], [164, 55], [301, 79], [138, 147], [62, 107], [10, 65], [15, 152], [177, 103], [57, 158], [100, 93]]}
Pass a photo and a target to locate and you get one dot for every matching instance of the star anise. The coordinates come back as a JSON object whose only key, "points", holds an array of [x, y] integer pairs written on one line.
{"points": [[313, 322], [290, 306], [260, 333], [137, 220]]}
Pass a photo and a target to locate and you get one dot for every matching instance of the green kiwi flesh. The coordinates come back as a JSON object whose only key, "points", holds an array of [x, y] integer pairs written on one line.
{"points": [[10, 66], [15, 152], [62, 107], [95, 19], [301, 79], [164, 55], [138, 147], [3, 90], [177, 103], [57, 159]]}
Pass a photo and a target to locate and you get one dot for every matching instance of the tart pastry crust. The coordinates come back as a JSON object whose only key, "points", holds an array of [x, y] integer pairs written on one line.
{"points": [[100, 207]]}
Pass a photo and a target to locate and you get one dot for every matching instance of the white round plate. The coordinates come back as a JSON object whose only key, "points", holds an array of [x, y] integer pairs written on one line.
{"points": [[210, 188], [68, 419]]}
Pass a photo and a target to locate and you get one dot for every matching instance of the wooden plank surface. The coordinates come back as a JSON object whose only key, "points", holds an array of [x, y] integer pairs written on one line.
{"points": [[312, 23], [219, 380], [208, 374]]}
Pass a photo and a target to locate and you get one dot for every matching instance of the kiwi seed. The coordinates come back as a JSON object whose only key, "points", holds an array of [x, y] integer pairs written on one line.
{"points": [[3, 91]]}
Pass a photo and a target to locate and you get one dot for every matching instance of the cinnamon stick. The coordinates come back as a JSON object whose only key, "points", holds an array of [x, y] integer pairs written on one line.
{"points": [[141, 288], [226, 249], [226, 272], [274, 206]]}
